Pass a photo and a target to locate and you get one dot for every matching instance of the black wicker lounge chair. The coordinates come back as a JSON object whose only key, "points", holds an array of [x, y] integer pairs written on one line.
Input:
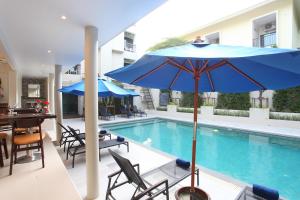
{"points": [[248, 193], [78, 145], [138, 112], [125, 112], [67, 137], [148, 185], [105, 114]]}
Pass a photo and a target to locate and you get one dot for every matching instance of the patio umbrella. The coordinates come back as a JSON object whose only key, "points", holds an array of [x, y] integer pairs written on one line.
{"points": [[213, 68], [105, 89]]}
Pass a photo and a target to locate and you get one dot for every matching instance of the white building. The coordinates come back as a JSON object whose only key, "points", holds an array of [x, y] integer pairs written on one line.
{"points": [[272, 23], [118, 52]]}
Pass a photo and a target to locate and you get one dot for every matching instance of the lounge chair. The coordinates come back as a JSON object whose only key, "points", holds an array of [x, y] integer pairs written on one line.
{"points": [[258, 193], [78, 145], [125, 112], [138, 112], [104, 113], [67, 137], [150, 184]]}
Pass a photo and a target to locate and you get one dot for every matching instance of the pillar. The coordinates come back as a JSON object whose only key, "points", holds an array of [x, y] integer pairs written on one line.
{"points": [[51, 93], [91, 112], [58, 100]]}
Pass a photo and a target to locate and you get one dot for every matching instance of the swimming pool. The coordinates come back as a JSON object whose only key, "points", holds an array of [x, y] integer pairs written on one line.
{"points": [[250, 157]]}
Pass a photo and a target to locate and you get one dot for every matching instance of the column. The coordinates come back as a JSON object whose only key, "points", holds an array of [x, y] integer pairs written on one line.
{"points": [[58, 100], [51, 93], [91, 112]]}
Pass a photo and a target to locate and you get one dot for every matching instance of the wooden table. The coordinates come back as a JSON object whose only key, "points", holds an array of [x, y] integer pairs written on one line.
{"points": [[12, 119]]}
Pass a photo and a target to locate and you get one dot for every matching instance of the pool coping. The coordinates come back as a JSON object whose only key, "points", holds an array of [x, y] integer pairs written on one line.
{"points": [[247, 130]]}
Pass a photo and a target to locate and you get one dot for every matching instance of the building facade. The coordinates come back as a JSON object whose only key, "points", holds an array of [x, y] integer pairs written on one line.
{"points": [[118, 52], [273, 23]]}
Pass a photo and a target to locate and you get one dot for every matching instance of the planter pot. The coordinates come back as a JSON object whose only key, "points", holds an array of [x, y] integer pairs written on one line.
{"points": [[172, 108], [207, 110], [259, 113], [185, 193]]}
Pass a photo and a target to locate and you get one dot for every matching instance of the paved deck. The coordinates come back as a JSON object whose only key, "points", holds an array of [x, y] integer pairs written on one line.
{"points": [[218, 187], [31, 181]]}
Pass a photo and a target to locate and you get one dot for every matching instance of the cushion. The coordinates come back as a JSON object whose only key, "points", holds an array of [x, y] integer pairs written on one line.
{"points": [[28, 138], [182, 163], [265, 192], [120, 139]]}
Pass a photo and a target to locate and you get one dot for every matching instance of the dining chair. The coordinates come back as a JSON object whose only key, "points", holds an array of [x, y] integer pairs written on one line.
{"points": [[3, 137], [28, 141]]}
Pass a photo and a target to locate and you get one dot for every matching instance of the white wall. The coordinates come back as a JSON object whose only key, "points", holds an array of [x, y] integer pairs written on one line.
{"points": [[238, 30]]}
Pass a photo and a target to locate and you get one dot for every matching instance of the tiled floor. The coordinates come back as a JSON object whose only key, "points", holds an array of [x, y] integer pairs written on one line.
{"points": [[31, 181]]}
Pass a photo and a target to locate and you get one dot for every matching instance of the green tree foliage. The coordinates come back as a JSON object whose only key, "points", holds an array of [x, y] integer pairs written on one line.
{"points": [[171, 42], [287, 100], [187, 100], [238, 101]]}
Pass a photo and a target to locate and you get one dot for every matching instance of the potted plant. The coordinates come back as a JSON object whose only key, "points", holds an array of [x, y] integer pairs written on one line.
{"points": [[41, 106]]}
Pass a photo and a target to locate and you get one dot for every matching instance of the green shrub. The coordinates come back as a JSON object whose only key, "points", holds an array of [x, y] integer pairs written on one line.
{"points": [[287, 100], [284, 117], [187, 100], [185, 110], [234, 113], [238, 101], [170, 42], [161, 108]]}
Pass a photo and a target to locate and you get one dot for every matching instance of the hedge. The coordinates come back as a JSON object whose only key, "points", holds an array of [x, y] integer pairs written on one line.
{"points": [[287, 100], [238, 101], [187, 100]]}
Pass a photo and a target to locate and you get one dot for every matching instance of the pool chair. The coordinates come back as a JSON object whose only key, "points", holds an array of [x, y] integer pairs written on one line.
{"points": [[105, 114], [125, 112], [138, 112], [150, 184], [258, 192], [78, 145], [67, 137]]}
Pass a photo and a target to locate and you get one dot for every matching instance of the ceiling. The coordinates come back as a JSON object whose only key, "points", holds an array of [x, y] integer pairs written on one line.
{"points": [[28, 29]]}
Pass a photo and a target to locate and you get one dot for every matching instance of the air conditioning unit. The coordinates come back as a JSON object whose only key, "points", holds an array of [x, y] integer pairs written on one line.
{"points": [[269, 27]]}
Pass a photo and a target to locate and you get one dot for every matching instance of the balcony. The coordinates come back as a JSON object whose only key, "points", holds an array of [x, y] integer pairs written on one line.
{"points": [[265, 40], [129, 46]]}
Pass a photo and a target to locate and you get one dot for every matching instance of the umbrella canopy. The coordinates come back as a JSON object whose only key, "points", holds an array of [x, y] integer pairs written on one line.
{"points": [[209, 68], [220, 67], [105, 89]]}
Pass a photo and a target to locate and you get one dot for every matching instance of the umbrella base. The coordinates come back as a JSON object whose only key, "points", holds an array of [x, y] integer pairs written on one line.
{"points": [[186, 193]]}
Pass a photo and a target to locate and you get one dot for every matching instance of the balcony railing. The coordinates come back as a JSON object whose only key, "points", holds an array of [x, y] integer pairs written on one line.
{"points": [[129, 46], [73, 70], [257, 102], [265, 40]]}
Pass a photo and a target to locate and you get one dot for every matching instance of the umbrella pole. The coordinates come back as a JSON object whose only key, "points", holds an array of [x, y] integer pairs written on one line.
{"points": [[195, 131]]}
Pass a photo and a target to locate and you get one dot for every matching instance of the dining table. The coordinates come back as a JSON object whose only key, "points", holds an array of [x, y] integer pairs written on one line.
{"points": [[12, 120]]}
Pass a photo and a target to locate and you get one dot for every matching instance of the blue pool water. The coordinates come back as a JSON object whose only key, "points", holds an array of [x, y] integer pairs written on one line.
{"points": [[249, 157]]}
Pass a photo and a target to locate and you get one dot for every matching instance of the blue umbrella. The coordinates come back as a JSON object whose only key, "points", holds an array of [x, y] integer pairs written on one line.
{"points": [[105, 89], [210, 68]]}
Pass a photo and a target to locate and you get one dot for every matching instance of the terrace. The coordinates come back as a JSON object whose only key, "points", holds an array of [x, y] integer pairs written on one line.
{"points": [[88, 180]]}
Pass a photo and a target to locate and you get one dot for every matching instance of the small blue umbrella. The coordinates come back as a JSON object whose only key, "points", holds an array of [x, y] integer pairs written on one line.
{"points": [[105, 89], [213, 68]]}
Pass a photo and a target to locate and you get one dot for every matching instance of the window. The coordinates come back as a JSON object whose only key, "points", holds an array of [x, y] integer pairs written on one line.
{"points": [[213, 38], [264, 31], [129, 42], [128, 61]]}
